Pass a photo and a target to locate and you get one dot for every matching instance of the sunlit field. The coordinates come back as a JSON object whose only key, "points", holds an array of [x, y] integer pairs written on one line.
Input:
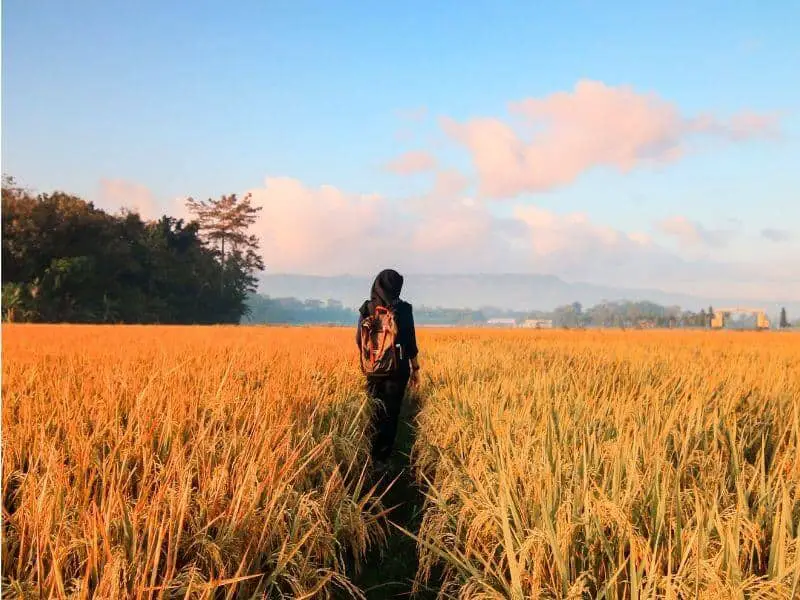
{"points": [[233, 462], [182, 461], [614, 464]]}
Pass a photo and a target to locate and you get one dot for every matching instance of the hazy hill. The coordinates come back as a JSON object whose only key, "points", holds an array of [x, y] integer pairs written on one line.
{"points": [[517, 292]]}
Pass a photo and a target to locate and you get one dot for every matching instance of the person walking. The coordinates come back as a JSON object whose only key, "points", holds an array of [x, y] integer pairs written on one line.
{"points": [[387, 344]]}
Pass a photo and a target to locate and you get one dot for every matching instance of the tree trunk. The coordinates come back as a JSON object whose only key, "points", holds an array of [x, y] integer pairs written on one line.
{"points": [[222, 269]]}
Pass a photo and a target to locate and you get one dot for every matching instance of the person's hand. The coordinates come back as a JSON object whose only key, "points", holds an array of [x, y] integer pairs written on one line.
{"points": [[414, 379]]}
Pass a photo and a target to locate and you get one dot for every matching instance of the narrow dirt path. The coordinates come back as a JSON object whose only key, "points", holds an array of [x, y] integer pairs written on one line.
{"points": [[390, 574]]}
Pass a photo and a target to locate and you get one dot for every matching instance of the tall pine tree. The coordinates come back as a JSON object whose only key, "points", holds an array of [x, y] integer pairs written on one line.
{"points": [[225, 223]]}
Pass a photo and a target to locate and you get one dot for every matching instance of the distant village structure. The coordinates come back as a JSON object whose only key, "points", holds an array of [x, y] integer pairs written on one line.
{"points": [[723, 317], [526, 323], [538, 323], [501, 322]]}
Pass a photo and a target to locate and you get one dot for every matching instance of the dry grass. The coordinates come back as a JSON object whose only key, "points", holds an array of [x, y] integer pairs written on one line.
{"points": [[614, 464], [181, 462], [228, 462]]}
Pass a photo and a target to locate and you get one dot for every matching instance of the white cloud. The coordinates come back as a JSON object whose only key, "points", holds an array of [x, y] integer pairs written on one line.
{"points": [[118, 194], [321, 230], [325, 230], [595, 125]]}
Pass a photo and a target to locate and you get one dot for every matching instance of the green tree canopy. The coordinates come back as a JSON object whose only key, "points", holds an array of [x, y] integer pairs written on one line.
{"points": [[64, 260]]}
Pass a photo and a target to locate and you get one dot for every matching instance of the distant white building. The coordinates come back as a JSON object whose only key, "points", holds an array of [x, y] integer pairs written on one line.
{"points": [[538, 323], [501, 322]]}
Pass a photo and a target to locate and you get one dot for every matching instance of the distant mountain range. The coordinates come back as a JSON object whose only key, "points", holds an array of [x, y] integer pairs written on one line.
{"points": [[510, 291]]}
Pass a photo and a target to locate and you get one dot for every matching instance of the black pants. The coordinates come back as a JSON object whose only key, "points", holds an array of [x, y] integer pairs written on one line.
{"points": [[388, 394]]}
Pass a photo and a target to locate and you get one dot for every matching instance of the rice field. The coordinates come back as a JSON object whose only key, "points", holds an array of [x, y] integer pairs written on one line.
{"points": [[181, 462], [612, 464]]}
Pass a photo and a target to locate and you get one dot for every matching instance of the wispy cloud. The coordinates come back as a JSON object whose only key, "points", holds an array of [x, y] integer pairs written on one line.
{"points": [[414, 115], [692, 233], [449, 183], [412, 163], [594, 125], [776, 235]]}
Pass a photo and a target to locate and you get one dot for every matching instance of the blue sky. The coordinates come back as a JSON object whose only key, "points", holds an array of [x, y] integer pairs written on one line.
{"points": [[163, 100]]}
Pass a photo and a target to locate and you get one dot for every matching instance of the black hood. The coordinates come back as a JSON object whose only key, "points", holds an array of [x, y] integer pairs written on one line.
{"points": [[385, 291]]}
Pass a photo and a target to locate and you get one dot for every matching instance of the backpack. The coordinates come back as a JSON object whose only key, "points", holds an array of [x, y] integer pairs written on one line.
{"points": [[379, 348]]}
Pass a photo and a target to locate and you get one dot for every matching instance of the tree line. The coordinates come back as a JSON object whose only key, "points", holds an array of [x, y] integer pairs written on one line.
{"points": [[630, 314], [65, 260], [605, 314], [638, 314], [293, 311]]}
